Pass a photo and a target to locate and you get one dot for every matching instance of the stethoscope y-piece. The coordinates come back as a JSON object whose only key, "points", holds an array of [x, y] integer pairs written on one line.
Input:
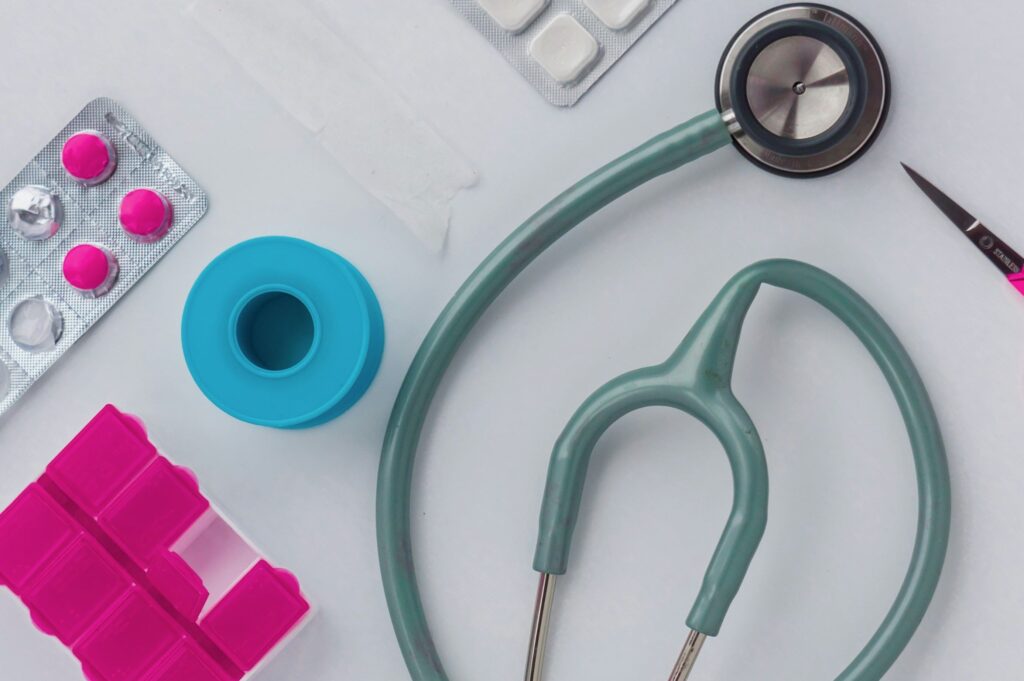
{"points": [[697, 379]]}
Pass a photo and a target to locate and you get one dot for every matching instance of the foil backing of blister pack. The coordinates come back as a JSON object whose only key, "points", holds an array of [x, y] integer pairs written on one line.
{"points": [[515, 45], [90, 216]]}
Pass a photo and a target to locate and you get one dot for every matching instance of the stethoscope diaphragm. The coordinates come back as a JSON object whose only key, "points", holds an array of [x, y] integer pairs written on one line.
{"points": [[804, 88]]}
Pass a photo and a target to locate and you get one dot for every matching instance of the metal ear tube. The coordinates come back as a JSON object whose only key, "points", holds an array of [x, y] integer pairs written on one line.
{"points": [[688, 658], [542, 620]]}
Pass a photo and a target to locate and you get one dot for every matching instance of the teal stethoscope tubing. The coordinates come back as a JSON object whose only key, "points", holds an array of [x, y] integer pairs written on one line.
{"points": [[660, 155], [697, 379]]}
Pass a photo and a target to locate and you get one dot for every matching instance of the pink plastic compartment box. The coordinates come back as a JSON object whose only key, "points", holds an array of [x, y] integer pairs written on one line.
{"points": [[116, 553]]}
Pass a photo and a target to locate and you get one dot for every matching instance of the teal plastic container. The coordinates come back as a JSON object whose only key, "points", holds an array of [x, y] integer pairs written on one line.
{"points": [[283, 333]]}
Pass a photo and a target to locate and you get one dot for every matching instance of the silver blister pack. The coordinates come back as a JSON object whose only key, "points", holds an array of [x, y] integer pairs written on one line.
{"points": [[563, 47], [48, 215]]}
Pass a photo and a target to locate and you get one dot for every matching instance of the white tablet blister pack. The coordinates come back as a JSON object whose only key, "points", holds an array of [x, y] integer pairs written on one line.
{"points": [[83, 221], [563, 47]]}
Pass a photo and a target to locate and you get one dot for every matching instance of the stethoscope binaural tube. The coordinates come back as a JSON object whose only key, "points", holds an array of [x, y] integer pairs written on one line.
{"points": [[697, 379], [660, 155]]}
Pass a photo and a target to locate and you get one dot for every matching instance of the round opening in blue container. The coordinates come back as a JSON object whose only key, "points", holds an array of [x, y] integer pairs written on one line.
{"points": [[275, 330]]}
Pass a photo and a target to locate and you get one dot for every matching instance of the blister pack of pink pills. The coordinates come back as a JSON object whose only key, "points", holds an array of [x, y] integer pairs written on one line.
{"points": [[117, 554], [85, 220]]}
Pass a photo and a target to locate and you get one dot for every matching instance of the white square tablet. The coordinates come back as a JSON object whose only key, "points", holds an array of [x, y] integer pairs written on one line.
{"points": [[513, 15], [617, 14], [565, 49]]}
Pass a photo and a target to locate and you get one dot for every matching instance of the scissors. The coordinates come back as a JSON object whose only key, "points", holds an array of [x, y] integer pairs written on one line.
{"points": [[1007, 260]]}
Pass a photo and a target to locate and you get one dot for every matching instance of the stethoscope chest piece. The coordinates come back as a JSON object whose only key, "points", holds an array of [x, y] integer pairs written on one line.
{"points": [[804, 88]]}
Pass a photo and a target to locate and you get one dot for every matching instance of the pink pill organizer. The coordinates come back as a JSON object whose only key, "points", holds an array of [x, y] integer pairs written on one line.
{"points": [[116, 552]]}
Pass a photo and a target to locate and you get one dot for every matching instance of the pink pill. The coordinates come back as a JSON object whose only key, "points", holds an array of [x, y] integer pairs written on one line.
{"points": [[89, 158], [146, 215], [91, 269]]}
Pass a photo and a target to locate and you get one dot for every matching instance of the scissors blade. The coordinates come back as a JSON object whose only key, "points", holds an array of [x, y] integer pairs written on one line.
{"points": [[960, 217], [1007, 260]]}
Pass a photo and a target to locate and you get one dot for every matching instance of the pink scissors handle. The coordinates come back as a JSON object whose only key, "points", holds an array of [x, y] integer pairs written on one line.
{"points": [[1018, 281]]}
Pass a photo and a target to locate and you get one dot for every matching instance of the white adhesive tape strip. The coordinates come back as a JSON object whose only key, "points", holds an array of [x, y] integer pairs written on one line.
{"points": [[326, 85]]}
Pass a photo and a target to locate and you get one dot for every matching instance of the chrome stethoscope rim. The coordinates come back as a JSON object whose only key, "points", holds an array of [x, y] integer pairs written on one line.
{"points": [[855, 128]]}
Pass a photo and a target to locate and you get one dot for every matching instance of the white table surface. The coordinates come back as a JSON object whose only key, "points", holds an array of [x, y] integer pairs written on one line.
{"points": [[617, 294]]}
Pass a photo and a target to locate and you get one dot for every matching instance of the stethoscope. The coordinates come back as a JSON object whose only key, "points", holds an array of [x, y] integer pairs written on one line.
{"points": [[803, 90]]}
